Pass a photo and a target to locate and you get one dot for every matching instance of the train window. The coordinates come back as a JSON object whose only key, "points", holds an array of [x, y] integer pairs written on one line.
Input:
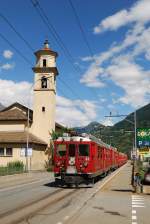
{"points": [[83, 150], [99, 152], [61, 150], [72, 150]]}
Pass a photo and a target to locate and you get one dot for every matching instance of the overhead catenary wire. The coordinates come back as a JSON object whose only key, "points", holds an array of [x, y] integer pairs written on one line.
{"points": [[18, 34], [30, 63], [22, 38], [81, 29], [18, 51], [26, 59], [28, 45], [20, 54], [55, 34], [85, 39]]}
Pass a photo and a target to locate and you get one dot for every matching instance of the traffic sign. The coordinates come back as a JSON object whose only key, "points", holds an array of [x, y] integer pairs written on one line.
{"points": [[143, 137]]}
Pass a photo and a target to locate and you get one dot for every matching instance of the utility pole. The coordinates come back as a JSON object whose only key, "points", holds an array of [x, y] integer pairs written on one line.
{"points": [[135, 141], [135, 127]]}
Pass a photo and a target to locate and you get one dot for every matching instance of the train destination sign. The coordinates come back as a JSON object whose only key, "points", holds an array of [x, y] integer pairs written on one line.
{"points": [[143, 137]]}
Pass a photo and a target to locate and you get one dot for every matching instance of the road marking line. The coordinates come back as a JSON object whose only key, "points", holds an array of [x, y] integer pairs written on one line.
{"points": [[59, 222], [133, 211], [137, 203], [137, 198], [138, 206], [134, 217], [134, 222]]}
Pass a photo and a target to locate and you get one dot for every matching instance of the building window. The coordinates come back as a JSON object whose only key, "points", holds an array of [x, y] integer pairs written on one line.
{"points": [[9, 152], [2, 152], [44, 62], [6, 152], [43, 109], [44, 83]]}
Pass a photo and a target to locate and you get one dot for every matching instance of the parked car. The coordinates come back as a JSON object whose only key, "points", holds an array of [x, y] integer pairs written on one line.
{"points": [[147, 177]]}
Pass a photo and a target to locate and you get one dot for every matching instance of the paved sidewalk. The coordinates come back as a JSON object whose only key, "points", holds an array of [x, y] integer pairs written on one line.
{"points": [[112, 204]]}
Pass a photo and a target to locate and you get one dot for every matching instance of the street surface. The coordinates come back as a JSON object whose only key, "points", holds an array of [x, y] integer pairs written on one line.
{"points": [[34, 198]]}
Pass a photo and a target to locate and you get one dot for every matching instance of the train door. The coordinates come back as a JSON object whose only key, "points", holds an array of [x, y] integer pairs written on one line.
{"points": [[71, 168], [100, 157], [104, 160]]}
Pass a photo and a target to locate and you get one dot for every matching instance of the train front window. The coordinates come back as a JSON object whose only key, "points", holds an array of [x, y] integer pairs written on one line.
{"points": [[83, 150], [61, 150], [72, 150]]}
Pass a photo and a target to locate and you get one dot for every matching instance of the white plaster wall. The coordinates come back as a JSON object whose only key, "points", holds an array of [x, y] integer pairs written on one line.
{"points": [[12, 127], [50, 61], [43, 122]]}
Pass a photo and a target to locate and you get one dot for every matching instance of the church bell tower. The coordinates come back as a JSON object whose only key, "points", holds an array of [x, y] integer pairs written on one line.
{"points": [[44, 101]]}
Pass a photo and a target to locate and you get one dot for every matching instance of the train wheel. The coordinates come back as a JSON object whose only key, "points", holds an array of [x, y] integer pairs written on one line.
{"points": [[76, 185], [69, 185], [91, 182]]}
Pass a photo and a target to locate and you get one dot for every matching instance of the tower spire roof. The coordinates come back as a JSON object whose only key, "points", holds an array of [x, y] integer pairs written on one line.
{"points": [[46, 50], [46, 45]]}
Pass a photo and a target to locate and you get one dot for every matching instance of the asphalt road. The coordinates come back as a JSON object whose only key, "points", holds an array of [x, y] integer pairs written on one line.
{"points": [[34, 199]]}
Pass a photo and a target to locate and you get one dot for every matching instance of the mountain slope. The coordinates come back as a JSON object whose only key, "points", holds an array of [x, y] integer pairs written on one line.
{"points": [[93, 126], [121, 135]]}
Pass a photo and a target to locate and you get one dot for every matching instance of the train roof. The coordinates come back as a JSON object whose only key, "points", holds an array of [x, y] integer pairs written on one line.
{"points": [[85, 138]]}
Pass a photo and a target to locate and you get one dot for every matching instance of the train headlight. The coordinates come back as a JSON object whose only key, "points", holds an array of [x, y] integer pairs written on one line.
{"points": [[58, 164]]}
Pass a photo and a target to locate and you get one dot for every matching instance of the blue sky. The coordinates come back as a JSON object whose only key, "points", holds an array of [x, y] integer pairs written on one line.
{"points": [[116, 77]]}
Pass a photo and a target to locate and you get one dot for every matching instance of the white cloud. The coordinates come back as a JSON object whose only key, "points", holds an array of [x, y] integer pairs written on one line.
{"points": [[93, 76], [112, 22], [102, 100], [68, 112], [7, 54], [138, 13], [108, 122], [11, 92], [119, 63], [7, 66], [87, 59], [133, 79], [90, 78], [75, 112]]}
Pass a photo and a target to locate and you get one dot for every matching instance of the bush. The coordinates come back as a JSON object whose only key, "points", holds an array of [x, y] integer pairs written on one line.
{"points": [[16, 165], [12, 168]]}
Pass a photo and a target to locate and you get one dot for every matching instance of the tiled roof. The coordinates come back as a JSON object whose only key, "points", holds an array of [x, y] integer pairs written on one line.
{"points": [[14, 114], [20, 137], [17, 111]]}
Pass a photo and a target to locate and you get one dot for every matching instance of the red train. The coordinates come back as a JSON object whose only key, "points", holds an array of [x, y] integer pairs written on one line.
{"points": [[81, 159]]}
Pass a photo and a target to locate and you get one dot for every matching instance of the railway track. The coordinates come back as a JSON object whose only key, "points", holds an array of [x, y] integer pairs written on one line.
{"points": [[28, 210]]}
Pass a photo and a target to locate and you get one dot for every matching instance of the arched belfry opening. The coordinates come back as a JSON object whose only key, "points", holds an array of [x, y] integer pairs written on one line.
{"points": [[44, 82], [44, 62]]}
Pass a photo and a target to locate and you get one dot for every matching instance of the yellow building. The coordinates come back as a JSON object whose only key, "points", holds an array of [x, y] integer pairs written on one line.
{"points": [[21, 128]]}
